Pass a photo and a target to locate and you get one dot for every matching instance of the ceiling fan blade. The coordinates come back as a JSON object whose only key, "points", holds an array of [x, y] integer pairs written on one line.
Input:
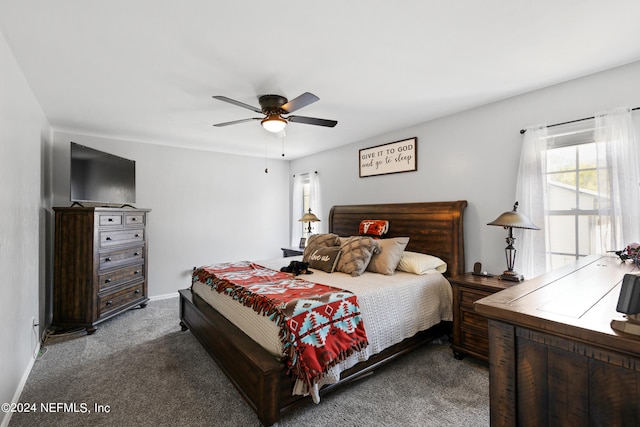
{"points": [[219, 125], [299, 102], [312, 121], [238, 103]]}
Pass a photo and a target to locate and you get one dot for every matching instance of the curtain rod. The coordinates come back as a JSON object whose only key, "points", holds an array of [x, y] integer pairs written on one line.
{"points": [[316, 172], [522, 131]]}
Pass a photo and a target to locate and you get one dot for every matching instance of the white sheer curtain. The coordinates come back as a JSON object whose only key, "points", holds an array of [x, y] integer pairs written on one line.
{"points": [[297, 204], [296, 209], [314, 200], [531, 192], [618, 191], [618, 186]]}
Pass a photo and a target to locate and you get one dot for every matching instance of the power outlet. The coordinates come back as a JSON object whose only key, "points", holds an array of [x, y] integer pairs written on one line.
{"points": [[34, 324]]}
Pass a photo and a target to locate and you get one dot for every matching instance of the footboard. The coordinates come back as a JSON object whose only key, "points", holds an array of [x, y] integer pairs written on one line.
{"points": [[257, 375]]}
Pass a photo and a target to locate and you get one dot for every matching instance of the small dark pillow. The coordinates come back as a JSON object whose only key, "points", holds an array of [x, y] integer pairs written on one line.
{"points": [[316, 241], [325, 259]]}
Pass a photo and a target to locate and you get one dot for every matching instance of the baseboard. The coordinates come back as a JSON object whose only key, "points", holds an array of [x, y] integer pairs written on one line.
{"points": [[165, 296], [18, 393]]}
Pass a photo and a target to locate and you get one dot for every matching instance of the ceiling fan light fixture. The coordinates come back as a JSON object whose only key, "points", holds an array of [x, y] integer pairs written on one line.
{"points": [[274, 123]]}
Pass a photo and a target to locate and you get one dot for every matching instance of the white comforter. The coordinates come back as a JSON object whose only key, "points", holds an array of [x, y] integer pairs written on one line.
{"points": [[393, 308]]}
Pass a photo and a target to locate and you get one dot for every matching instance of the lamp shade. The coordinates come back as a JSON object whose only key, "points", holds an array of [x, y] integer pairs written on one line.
{"points": [[309, 217], [274, 123], [514, 219]]}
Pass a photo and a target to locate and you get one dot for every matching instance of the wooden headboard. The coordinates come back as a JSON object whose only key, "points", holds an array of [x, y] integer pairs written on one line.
{"points": [[433, 228]]}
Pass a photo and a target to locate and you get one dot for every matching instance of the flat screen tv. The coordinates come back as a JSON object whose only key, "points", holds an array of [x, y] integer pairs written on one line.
{"points": [[101, 177]]}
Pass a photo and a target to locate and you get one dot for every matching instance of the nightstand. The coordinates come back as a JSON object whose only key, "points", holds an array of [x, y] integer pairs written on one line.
{"points": [[470, 329], [292, 251]]}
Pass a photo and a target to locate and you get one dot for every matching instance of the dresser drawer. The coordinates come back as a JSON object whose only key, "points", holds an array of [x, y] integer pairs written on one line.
{"points": [[134, 219], [120, 237], [110, 219], [468, 297], [475, 342], [113, 259], [109, 302], [121, 275], [472, 319]]}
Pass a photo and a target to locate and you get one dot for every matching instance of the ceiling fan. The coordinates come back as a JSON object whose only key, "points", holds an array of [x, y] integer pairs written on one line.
{"points": [[273, 107]]}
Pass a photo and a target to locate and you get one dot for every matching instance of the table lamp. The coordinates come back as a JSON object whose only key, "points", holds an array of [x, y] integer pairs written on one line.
{"points": [[309, 217], [510, 220]]}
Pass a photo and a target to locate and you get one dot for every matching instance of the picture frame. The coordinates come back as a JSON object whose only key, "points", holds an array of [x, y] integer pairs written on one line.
{"points": [[303, 242], [393, 157]]}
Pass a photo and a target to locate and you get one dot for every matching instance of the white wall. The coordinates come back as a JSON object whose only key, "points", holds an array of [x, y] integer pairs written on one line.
{"points": [[206, 207], [472, 155], [24, 147]]}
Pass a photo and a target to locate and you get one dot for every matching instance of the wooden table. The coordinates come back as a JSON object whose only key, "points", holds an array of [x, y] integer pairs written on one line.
{"points": [[291, 251], [554, 359]]}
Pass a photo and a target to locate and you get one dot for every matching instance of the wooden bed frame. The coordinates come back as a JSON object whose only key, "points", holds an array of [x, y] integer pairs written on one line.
{"points": [[434, 228]]}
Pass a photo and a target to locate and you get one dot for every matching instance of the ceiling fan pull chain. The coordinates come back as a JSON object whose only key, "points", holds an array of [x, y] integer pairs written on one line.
{"points": [[266, 157], [284, 134]]}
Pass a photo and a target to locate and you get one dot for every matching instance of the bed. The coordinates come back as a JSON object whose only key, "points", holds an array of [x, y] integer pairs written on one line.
{"points": [[434, 228]]}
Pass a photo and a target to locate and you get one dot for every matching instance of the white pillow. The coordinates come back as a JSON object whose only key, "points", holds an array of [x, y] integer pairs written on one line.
{"points": [[417, 263]]}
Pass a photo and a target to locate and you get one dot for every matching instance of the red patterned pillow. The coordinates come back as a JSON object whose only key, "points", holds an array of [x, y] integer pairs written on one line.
{"points": [[373, 227]]}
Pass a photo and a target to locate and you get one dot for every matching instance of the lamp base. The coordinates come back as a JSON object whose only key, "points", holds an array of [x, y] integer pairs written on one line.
{"points": [[629, 324], [512, 276]]}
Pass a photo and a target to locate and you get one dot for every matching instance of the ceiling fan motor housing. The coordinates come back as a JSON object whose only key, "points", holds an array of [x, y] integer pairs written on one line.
{"points": [[271, 104]]}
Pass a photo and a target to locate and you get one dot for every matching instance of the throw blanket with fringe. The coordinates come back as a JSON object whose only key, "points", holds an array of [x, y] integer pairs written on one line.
{"points": [[319, 325]]}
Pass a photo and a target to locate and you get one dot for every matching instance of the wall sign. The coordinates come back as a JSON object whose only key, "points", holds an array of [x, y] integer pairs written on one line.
{"points": [[394, 157]]}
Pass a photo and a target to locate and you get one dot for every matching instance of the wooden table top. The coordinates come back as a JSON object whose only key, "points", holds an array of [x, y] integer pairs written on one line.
{"points": [[577, 301]]}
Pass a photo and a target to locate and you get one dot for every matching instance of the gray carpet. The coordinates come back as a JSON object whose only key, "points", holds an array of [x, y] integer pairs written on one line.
{"points": [[147, 372]]}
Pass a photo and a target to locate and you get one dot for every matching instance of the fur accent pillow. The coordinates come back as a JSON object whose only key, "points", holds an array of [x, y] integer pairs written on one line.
{"points": [[325, 259], [388, 257], [316, 241], [356, 254]]}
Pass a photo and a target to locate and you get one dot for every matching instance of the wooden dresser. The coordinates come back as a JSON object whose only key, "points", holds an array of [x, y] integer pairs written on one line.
{"points": [[100, 264], [554, 359]]}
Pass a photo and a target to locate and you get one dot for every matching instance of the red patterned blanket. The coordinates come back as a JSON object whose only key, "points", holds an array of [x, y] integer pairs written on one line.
{"points": [[319, 325]]}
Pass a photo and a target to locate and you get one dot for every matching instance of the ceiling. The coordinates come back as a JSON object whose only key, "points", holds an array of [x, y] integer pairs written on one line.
{"points": [[146, 70]]}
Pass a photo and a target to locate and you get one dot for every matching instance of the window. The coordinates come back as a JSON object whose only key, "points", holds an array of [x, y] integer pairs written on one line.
{"points": [[572, 214], [306, 201], [305, 195]]}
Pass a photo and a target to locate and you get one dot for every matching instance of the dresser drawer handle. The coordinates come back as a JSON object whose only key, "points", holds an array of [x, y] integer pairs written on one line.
{"points": [[109, 302], [137, 235], [134, 219], [107, 259], [136, 253], [108, 238], [107, 281], [136, 272], [137, 291], [110, 219]]}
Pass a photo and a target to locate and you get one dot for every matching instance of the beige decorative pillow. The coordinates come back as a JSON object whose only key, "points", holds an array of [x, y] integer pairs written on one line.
{"points": [[325, 259], [316, 241], [388, 256], [356, 254], [417, 263]]}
